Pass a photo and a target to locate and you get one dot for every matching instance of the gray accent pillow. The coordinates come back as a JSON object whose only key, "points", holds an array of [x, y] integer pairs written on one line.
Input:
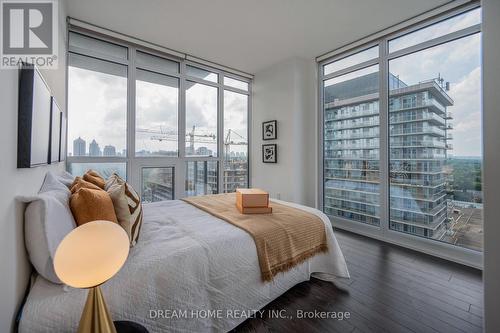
{"points": [[48, 220], [66, 178]]}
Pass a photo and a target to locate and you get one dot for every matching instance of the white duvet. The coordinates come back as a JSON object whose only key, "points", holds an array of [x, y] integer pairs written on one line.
{"points": [[186, 264]]}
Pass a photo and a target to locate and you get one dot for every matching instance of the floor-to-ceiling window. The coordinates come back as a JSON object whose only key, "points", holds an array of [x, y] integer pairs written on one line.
{"points": [[172, 127], [401, 137], [351, 140]]}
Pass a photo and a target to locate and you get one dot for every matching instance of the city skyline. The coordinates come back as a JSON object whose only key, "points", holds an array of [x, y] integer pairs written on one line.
{"points": [[79, 145]]}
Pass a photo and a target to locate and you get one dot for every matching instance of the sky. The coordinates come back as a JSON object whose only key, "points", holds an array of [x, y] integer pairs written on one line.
{"points": [[458, 62], [97, 108]]}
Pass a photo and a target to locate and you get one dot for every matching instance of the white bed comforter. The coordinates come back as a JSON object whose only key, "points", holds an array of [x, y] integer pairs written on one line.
{"points": [[186, 262]]}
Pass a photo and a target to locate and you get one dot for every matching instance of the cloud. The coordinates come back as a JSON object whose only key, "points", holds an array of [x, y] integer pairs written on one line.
{"points": [[442, 28], [459, 63], [467, 114], [201, 109], [97, 108]]}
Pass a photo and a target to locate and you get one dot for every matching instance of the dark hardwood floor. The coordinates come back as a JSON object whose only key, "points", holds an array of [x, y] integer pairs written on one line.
{"points": [[392, 289]]}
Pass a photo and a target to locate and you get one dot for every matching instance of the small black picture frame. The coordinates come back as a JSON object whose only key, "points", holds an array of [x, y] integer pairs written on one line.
{"points": [[270, 130], [270, 153]]}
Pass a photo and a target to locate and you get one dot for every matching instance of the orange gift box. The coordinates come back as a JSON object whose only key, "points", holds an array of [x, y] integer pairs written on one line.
{"points": [[251, 198], [254, 210]]}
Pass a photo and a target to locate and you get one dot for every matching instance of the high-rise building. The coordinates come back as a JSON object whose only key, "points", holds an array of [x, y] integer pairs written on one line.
{"points": [[418, 135], [94, 149], [79, 147], [157, 184], [235, 174], [109, 151], [204, 151]]}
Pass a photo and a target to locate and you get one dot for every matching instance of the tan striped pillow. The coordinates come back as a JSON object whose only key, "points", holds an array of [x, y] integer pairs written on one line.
{"points": [[127, 204]]}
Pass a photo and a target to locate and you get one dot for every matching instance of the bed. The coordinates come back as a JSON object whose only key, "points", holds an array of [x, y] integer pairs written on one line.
{"points": [[189, 272]]}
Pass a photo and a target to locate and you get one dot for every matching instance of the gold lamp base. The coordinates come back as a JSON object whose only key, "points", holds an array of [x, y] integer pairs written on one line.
{"points": [[95, 316]]}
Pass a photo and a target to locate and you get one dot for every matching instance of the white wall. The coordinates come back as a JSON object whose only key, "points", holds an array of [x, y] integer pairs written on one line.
{"points": [[491, 127], [286, 92], [14, 265]]}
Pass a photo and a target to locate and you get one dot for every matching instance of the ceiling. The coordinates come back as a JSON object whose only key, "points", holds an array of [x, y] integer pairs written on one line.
{"points": [[244, 34]]}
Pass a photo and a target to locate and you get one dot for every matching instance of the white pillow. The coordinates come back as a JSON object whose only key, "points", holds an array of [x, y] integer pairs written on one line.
{"points": [[48, 220], [66, 178]]}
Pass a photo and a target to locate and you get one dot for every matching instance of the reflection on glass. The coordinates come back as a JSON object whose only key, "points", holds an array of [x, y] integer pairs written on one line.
{"points": [[157, 184], [97, 107], [235, 141], [230, 82], [104, 169], [157, 100], [105, 49], [201, 178], [149, 61], [351, 146], [201, 74], [442, 28], [351, 60], [201, 120], [435, 143]]}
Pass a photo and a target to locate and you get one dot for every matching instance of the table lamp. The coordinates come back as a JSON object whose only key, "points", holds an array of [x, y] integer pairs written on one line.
{"points": [[87, 257]]}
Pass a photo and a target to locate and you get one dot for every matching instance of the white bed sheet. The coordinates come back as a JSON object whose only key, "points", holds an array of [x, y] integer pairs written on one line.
{"points": [[185, 260]]}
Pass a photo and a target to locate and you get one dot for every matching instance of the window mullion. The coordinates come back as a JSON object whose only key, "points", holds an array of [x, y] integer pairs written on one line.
{"points": [[384, 135], [220, 137], [131, 118], [180, 172]]}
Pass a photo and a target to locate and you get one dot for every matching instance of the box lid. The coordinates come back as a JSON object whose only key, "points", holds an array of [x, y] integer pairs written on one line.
{"points": [[251, 191]]}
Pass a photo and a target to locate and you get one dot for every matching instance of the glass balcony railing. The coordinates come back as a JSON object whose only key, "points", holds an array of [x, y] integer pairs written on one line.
{"points": [[331, 116], [353, 156], [417, 143], [341, 145], [339, 135], [351, 124], [353, 196], [419, 182], [418, 155], [429, 102], [399, 130], [419, 116]]}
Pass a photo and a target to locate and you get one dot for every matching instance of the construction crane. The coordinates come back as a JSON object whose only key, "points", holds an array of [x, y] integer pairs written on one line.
{"points": [[228, 142], [161, 135], [192, 135]]}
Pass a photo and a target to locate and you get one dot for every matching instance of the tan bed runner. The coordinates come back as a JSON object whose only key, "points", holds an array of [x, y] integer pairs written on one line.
{"points": [[285, 238]]}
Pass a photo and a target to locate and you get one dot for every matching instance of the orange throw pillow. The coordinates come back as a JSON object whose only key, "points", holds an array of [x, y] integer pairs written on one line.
{"points": [[89, 205], [79, 183], [95, 178]]}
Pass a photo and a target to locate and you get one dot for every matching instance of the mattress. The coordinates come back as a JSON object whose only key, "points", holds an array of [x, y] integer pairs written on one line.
{"points": [[189, 272]]}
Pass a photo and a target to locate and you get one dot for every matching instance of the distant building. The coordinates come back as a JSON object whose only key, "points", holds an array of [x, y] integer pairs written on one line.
{"points": [[157, 184], [204, 151], [79, 147], [109, 151], [94, 149], [418, 134], [235, 174]]}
